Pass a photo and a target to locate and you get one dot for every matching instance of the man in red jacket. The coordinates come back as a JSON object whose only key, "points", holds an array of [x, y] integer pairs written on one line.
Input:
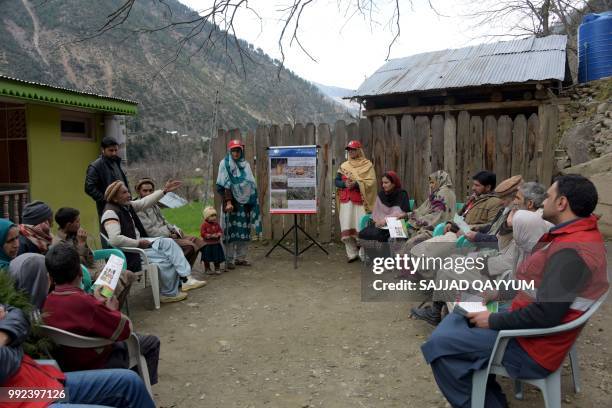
{"points": [[69, 308], [569, 274], [110, 388]]}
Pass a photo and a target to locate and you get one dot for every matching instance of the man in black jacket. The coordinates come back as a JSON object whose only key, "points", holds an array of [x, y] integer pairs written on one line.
{"points": [[103, 171]]}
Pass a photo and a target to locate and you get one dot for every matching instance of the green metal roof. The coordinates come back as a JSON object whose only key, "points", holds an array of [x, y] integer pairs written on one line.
{"points": [[43, 93]]}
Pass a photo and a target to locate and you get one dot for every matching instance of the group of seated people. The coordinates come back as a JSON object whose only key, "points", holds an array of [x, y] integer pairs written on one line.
{"points": [[523, 232], [49, 268]]}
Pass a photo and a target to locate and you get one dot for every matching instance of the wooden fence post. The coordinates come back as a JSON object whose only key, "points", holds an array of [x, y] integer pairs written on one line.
{"points": [[422, 159], [463, 137], [475, 162], [503, 148], [325, 175], [310, 138], [519, 142], [262, 136], [378, 145], [393, 150], [490, 133], [549, 117], [530, 171], [450, 148], [437, 143], [408, 131], [277, 220], [250, 151], [365, 135], [339, 141]]}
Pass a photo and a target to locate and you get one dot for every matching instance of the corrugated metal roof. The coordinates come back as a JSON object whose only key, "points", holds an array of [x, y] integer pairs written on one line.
{"points": [[67, 89], [530, 59]]}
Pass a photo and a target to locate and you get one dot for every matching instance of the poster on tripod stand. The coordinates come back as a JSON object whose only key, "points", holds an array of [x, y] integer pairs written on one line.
{"points": [[293, 179]]}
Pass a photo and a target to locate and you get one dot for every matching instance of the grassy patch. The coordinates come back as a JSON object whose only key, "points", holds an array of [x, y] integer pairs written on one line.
{"points": [[188, 218]]}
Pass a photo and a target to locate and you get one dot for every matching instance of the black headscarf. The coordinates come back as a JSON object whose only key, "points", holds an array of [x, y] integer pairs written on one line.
{"points": [[396, 197]]}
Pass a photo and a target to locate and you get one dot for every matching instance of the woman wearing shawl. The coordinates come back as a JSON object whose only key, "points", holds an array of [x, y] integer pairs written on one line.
{"points": [[9, 241], [236, 184], [392, 201], [356, 183], [30, 275]]}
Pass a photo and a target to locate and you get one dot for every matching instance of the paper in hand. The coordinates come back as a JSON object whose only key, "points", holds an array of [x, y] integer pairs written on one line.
{"points": [[109, 277], [396, 227], [463, 226], [172, 200]]}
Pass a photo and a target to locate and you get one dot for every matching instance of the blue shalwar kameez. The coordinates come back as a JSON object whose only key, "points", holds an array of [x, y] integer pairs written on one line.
{"points": [[454, 350]]}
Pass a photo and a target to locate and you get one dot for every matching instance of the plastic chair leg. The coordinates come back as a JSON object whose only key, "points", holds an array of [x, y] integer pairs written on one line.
{"points": [[551, 390], [575, 367], [154, 278], [518, 390], [479, 388]]}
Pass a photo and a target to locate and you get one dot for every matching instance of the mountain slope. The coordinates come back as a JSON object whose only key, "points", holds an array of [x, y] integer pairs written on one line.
{"points": [[125, 63]]}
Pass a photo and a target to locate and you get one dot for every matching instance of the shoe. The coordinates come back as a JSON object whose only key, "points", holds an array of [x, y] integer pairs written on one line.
{"points": [[210, 272], [230, 265], [430, 314], [172, 299], [243, 263], [353, 259], [192, 284]]}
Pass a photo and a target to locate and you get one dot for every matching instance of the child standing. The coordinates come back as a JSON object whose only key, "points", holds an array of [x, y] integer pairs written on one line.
{"points": [[212, 251]]}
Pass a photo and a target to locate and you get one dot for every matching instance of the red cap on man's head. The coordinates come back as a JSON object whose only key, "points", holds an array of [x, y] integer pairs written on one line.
{"points": [[234, 144], [353, 144]]}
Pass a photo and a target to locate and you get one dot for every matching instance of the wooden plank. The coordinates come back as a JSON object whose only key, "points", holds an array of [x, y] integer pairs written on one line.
{"points": [[530, 167], [378, 145], [277, 220], [287, 140], [549, 117], [218, 153], [352, 131], [475, 157], [450, 147], [249, 148], [310, 138], [325, 175], [393, 147], [408, 135], [262, 136], [451, 108], [422, 157], [490, 134], [339, 141], [298, 139], [365, 135], [437, 143], [503, 148], [519, 143], [463, 137]]}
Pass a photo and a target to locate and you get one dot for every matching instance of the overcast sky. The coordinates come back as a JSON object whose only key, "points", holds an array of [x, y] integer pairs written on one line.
{"points": [[350, 49]]}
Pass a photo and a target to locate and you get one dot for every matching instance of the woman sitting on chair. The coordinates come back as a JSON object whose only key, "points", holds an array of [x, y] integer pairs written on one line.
{"points": [[124, 229], [392, 201]]}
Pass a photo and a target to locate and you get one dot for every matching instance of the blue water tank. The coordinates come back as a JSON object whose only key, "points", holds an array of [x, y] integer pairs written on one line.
{"points": [[595, 47]]}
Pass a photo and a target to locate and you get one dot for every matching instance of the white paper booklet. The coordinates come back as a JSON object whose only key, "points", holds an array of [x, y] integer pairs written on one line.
{"points": [[172, 200], [110, 275], [463, 226], [396, 228]]}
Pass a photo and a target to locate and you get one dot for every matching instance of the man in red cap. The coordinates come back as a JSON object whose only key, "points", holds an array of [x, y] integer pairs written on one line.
{"points": [[356, 195], [237, 186]]}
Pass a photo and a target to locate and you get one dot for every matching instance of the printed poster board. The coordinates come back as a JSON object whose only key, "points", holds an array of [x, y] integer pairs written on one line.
{"points": [[293, 179]]}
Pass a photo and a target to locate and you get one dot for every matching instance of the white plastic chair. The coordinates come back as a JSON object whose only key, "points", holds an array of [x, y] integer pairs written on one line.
{"points": [[551, 385], [68, 339], [150, 269]]}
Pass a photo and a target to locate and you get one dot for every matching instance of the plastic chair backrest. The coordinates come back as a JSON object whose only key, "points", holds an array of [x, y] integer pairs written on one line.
{"points": [[104, 254], [439, 230], [363, 222], [458, 206], [411, 204], [86, 282]]}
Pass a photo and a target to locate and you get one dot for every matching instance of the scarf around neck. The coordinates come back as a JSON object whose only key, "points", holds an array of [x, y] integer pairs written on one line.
{"points": [[5, 227]]}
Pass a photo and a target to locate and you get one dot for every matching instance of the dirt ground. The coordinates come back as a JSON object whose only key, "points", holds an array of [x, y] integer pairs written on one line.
{"points": [[272, 336]]}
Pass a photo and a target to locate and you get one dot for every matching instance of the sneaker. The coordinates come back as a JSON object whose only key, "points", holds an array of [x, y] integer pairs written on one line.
{"points": [[209, 272], [243, 263], [353, 259], [230, 265], [172, 299], [192, 284]]}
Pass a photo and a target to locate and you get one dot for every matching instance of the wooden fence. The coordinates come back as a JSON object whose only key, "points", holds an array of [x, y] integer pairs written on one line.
{"points": [[413, 146]]}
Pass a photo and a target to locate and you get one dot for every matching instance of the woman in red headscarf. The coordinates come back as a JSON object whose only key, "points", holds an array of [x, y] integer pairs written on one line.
{"points": [[391, 201]]}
